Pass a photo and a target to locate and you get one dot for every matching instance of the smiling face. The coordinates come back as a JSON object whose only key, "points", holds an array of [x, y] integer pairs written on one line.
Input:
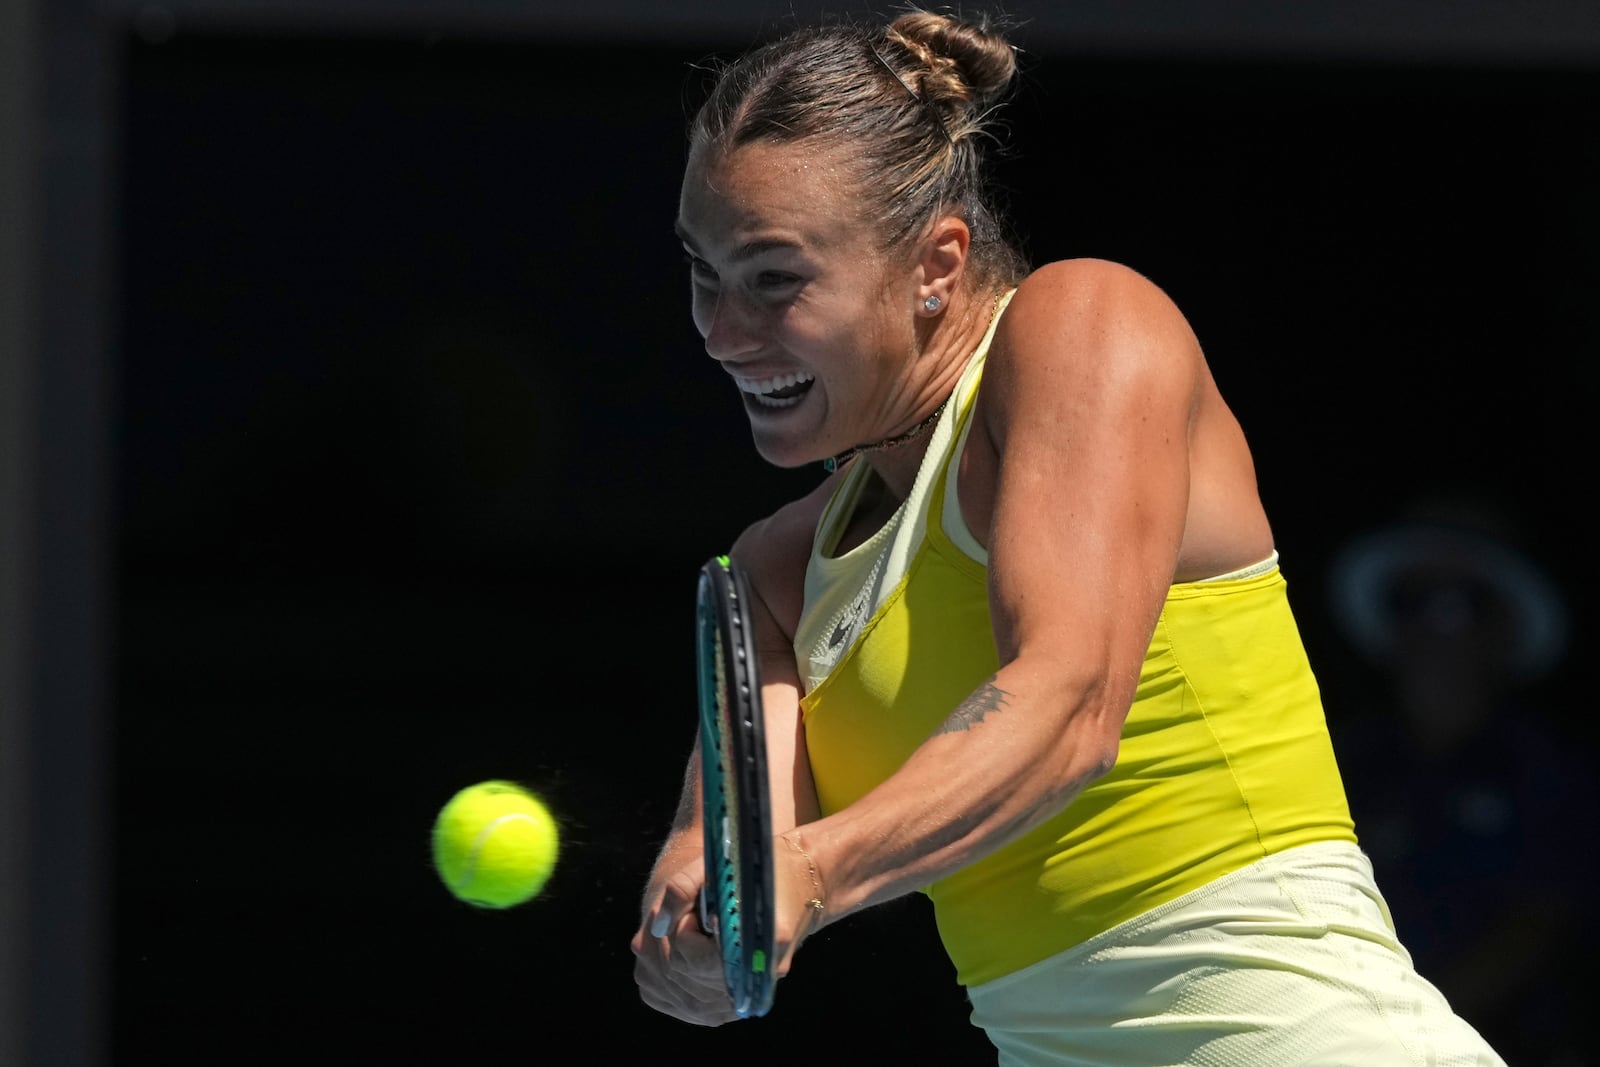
{"points": [[810, 318]]}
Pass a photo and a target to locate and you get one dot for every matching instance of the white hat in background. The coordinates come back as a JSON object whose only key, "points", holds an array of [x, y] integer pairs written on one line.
{"points": [[1368, 574]]}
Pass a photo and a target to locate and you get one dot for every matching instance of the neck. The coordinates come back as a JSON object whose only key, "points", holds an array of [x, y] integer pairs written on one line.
{"points": [[832, 463], [961, 341]]}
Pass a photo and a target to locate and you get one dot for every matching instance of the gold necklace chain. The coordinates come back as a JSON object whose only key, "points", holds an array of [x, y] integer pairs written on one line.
{"points": [[832, 463]]}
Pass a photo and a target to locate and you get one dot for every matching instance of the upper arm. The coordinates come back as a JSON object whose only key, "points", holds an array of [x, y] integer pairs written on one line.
{"points": [[1087, 402]]}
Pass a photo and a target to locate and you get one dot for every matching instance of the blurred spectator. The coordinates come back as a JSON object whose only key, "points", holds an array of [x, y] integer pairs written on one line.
{"points": [[1473, 804]]}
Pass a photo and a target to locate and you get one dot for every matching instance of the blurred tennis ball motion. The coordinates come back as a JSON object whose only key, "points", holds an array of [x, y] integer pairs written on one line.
{"points": [[495, 844]]}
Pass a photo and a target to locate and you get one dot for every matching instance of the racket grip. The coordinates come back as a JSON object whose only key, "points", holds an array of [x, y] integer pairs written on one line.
{"points": [[707, 923]]}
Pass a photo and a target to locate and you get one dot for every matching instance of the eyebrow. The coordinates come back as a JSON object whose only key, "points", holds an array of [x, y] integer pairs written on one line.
{"points": [[748, 250]]}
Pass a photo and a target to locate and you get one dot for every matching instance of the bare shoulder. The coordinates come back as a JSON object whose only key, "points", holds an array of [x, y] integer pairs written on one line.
{"points": [[1097, 387], [1097, 305], [774, 550], [1091, 361], [1091, 276], [1091, 327]]}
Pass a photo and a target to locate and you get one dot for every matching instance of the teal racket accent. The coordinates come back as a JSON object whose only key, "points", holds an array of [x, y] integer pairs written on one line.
{"points": [[736, 903]]}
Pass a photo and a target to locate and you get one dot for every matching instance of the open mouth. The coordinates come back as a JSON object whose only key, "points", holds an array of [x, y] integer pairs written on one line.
{"points": [[782, 391]]}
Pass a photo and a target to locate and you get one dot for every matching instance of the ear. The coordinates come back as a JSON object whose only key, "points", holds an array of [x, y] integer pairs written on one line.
{"points": [[942, 258]]}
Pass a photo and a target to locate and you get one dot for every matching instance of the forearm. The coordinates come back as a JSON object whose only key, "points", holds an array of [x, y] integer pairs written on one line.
{"points": [[686, 837], [1012, 755], [683, 846]]}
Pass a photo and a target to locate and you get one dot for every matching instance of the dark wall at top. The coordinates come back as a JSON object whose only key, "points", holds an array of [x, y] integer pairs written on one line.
{"points": [[432, 283]]}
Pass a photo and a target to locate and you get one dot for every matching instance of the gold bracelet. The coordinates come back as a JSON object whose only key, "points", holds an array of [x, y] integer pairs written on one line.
{"points": [[816, 883]]}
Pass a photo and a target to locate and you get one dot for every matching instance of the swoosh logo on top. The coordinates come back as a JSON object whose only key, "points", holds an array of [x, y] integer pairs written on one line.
{"points": [[849, 620]]}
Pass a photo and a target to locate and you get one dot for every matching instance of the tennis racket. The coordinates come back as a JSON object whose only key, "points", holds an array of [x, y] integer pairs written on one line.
{"points": [[736, 902]]}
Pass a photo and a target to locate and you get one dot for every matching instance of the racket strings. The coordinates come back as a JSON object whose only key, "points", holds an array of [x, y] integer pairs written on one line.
{"points": [[729, 862]]}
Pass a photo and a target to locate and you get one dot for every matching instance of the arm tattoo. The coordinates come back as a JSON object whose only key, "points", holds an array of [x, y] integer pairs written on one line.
{"points": [[987, 698]]}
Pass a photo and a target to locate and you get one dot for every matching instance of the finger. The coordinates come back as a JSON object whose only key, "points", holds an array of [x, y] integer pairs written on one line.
{"points": [[681, 975], [680, 896], [686, 998], [688, 1008]]}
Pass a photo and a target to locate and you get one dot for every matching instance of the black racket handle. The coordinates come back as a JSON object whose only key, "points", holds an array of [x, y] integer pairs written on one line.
{"points": [[707, 923]]}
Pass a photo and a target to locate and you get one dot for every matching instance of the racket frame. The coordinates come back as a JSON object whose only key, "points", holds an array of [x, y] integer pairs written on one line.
{"points": [[736, 904]]}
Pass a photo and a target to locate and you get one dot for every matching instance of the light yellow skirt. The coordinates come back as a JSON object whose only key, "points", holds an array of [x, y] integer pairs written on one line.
{"points": [[1291, 962]]}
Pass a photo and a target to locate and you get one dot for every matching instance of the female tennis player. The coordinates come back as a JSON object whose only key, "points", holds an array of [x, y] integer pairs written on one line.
{"points": [[1026, 647]]}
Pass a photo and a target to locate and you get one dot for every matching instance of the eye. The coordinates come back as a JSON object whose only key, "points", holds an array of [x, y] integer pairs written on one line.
{"points": [[699, 269], [769, 280]]}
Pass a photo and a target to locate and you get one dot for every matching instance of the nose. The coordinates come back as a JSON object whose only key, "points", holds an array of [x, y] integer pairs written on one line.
{"points": [[730, 326]]}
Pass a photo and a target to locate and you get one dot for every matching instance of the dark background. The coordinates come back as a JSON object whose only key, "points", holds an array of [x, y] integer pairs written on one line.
{"points": [[417, 455]]}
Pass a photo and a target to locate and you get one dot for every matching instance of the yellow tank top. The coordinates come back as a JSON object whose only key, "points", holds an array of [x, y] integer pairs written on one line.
{"points": [[1225, 755]]}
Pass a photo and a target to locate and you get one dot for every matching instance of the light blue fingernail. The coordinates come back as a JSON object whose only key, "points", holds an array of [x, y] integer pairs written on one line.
{"points": [[662, 922]]}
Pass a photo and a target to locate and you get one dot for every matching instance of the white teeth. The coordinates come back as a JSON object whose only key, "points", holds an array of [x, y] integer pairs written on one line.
{"points": [[761, 386], [774, 401]]}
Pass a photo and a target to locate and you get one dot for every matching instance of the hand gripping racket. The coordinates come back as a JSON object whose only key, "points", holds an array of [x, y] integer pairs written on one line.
{"points": [[736, 903]]}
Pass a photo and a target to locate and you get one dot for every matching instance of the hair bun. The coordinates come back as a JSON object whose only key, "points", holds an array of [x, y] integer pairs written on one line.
{"points": [[966, 58]]}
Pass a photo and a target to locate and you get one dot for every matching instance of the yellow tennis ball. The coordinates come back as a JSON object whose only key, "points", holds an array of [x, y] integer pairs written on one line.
{"points": [[495, 844]]}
